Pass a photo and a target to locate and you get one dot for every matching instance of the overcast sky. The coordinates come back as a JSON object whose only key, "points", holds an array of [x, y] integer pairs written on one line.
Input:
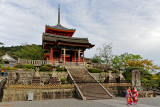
{"points": [[132, 26]]}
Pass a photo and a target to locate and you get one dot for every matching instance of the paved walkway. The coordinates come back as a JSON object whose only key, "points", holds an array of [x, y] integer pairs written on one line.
{"points": [[117, 102]]}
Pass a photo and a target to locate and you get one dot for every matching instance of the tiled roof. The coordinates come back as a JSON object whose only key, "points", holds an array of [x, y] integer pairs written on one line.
{"points": [[56, 38], [61, 27]]}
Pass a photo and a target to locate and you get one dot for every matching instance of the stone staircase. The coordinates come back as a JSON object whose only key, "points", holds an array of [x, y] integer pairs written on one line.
{"points": [[86, 85]]}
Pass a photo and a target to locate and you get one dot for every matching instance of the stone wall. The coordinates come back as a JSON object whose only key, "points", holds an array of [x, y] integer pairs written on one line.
{"points": [[26, 77], [2, 84], [100, 77], [39, 94], [117, 89]]}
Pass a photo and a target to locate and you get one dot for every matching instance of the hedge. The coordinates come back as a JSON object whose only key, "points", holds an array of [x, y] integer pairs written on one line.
{"points": [[44, 68], [60, 69], [94, 70]]}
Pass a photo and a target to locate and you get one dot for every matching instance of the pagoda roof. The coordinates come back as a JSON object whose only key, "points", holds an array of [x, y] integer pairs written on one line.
{"points": [[60, 27], [66, 39]]}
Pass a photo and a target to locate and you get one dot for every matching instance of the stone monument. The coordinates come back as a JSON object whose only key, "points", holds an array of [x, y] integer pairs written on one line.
{"points": [[136, 79], [121, 78], [110, 78], [36, 78], [54, 78]]}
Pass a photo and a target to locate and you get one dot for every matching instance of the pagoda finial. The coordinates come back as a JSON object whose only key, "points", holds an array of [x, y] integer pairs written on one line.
{"points": [[59, 15]]}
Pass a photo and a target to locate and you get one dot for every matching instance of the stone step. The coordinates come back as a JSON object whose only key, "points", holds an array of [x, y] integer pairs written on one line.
{"points": [[89, 87]]}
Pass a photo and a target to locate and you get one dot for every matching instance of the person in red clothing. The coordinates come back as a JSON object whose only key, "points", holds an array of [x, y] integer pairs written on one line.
{"points": [[128, 96], [135, 95]]}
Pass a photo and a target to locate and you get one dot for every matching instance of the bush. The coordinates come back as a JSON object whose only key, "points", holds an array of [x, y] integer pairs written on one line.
{"points": [[49, 65], [19, 66], [26, 66], [150, 84], [8, 68], [94, 70], [1, 65], [44, 68], [63, 80], [29, 66], [60, 69]]}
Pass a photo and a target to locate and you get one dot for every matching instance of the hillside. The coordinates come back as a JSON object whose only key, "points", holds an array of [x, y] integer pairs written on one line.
{"points": [[18, 51]]}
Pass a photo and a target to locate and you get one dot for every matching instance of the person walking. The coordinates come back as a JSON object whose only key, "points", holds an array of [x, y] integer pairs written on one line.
{"points": [[2, 72], [128, 96], [135, 95]]}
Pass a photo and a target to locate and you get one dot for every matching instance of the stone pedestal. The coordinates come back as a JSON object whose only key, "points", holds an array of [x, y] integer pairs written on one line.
{"points": [[110, 78], [36, 78], [54, 78], [121, 78]]}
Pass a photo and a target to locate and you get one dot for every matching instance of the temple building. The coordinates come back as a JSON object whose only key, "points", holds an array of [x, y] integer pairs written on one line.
{"points": [[59, 45]]}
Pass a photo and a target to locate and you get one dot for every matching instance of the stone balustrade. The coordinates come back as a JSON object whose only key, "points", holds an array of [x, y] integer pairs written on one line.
{"points": [[36, 62]]}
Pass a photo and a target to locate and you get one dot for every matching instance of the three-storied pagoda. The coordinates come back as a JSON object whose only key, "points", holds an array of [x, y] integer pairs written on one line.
{"points": [[59, 45]]}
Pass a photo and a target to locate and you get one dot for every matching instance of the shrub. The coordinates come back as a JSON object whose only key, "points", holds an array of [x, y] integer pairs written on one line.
{"points": [[1, 65], [44, 68], [94, 70], [19, 66], [60, 69], [8, 68], [49, 65], [29, 66], [63, 80]]}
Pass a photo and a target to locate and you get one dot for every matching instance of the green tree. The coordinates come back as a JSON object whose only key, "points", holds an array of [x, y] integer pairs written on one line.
{"points": [[105, 52], [31, 52], [97, 59], [121, 61]]}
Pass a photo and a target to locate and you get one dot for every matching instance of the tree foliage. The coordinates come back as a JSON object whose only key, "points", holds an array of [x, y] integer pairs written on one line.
{"points": [[23, 51], [31, 52], [131, 60], [105, 52], [121, 61], [97, 59]]}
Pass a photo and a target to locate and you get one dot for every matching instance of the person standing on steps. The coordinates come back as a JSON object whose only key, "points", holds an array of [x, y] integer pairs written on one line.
{"points": [[135, 95], [128, 96]]}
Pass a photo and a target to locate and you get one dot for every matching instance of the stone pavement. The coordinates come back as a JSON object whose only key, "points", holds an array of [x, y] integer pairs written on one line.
{"points": [[117, 102]]}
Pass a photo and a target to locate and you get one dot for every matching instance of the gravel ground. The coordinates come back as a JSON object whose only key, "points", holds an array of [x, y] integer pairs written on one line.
{"points": [[154, 101], [55, 103], [117, 102]]}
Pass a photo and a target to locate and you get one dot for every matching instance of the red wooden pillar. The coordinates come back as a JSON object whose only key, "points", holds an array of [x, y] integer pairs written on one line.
{"points": [[51, 55], [61, 55], [75, 56], [83, 56], [79, 55], [72, 57], [64, 55]]}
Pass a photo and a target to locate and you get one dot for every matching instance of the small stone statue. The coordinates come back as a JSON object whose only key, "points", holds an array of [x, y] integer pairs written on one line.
{"points": [[54, 73], [37, 72]]}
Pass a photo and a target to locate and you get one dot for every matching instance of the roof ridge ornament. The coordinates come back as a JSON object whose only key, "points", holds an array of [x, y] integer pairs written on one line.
{"points": [[59, 15]]}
